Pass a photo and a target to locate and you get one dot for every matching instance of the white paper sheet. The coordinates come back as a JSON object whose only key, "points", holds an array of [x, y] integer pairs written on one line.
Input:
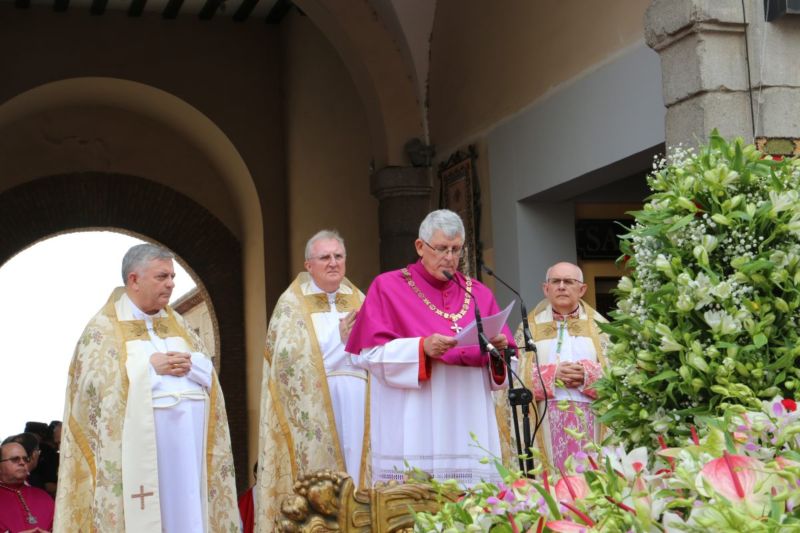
{"points": [[492, 326]]}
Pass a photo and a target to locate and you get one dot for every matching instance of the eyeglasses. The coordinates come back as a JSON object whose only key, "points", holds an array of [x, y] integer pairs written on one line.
{"points": [[442, 251], [568, 282], [328, 257], [17, 459]]}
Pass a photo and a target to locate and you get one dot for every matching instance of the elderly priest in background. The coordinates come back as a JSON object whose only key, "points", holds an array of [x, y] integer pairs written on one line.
{"points": [[145, 445], [427, 394], [571, 351], [313, 400]]}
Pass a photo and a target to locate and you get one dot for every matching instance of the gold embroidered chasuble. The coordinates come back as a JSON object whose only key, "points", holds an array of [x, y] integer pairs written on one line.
{"points": [[297, 432], [545, 331], [92, 495]]}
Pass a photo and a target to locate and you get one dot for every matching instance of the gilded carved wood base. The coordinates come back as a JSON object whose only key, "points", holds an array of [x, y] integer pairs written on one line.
{"points": [[328, 501]]}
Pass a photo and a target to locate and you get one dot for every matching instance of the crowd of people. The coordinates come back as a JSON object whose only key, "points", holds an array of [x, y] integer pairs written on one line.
{"points": [[371, 385]]}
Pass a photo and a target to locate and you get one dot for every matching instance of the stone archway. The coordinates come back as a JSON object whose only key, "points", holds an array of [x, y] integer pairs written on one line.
{"points": [[46, 206]]}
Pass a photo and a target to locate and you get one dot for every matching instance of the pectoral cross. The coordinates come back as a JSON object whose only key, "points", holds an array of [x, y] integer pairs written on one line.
{"points": [[455, 327], [141, 495]]}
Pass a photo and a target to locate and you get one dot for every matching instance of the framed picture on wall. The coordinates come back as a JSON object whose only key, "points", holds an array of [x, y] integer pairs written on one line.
{"points": [[460, 192]]}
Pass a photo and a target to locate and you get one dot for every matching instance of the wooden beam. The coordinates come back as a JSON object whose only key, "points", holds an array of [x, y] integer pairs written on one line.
{"points": [[172, 9], [209, 9], [98, 7], [60, 5], [136, 8], [245, 8], [279, 10]]}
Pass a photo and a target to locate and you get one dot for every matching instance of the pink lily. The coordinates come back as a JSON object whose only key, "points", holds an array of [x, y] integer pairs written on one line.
{"points": [[733, 476]]}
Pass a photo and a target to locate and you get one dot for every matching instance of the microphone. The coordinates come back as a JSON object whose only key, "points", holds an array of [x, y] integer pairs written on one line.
{"points": [[485, 345], [526, 329]]}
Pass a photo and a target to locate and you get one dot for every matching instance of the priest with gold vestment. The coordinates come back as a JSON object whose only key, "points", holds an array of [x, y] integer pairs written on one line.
{"points": [[314, 409], [145, 445], [571, 351]]}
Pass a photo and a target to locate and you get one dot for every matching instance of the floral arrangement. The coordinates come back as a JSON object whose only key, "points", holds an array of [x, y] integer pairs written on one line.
{"points": [[738, 473], [708, 317]]}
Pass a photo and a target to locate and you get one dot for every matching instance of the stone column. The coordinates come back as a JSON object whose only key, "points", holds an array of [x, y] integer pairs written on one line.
{"points": [[704, 69], [404, 195]]}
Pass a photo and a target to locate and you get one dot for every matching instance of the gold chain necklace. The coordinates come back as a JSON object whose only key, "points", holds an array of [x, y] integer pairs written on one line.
{"points": [[455, 317], [30, 518]]}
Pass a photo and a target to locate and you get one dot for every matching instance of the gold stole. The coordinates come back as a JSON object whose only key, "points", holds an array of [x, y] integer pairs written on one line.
{"points": [[140, 486], [317, 303]]}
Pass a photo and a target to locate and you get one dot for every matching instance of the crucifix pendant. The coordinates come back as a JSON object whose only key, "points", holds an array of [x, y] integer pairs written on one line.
{"points": [[455, 327], [31, 519]]}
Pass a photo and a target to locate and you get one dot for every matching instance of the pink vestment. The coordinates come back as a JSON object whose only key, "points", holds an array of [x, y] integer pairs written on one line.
{"points": [[423, 414]]}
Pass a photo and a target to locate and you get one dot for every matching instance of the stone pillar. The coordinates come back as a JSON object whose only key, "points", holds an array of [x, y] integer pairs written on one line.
{"points": [[704, 69], [404, 195]]}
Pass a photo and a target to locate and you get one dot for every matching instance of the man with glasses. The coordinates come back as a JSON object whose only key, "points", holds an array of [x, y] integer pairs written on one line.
{"points": [[571, 354], [23, 509], [428, 394], [313, 400]]}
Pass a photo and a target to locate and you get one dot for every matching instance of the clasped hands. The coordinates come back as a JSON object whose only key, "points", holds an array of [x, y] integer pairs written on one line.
{"points": [[176, 364], [435, 345], [570, 374]]}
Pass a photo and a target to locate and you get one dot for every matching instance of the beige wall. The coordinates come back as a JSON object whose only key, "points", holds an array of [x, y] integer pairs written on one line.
{"points": [[491, 60], [328, 152]]}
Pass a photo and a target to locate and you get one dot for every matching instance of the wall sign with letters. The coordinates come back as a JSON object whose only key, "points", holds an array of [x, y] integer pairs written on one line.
{"points": [[599, 239]]}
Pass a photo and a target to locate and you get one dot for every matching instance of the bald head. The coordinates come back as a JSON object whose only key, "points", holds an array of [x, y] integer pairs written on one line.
{"points": [[564, 287]]}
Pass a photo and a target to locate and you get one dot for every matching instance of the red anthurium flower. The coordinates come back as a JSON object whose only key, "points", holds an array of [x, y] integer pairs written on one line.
{"points": [[571, 488], [565, 526], [789, 404], [733, 476]]}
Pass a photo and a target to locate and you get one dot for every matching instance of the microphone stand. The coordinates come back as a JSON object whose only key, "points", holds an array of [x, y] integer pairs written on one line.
{"points": [[522, 396], [496, 362]]}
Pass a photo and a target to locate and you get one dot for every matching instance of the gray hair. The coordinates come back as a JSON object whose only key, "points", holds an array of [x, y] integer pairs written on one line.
{"points": [[325, 234], [141, 254], [444, 220], [580, 272]]}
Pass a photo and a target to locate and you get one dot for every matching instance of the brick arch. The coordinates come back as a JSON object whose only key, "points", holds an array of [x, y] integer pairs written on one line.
{"points": [[56, 204]]}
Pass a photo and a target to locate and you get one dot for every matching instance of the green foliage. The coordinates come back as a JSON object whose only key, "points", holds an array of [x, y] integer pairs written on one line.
{"points": [[740, 473], [709, 315]]}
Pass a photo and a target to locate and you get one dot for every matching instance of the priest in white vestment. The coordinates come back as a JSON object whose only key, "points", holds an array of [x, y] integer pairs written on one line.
{"points": [[571, 350], [145, 445], [314, 413], [427, 394]]}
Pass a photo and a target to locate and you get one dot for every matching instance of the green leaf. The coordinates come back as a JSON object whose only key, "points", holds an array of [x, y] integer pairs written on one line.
{"points": [[760, 340], [614, 331], [666, 374], [551, 502], [757, 265], [683, 221]]}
